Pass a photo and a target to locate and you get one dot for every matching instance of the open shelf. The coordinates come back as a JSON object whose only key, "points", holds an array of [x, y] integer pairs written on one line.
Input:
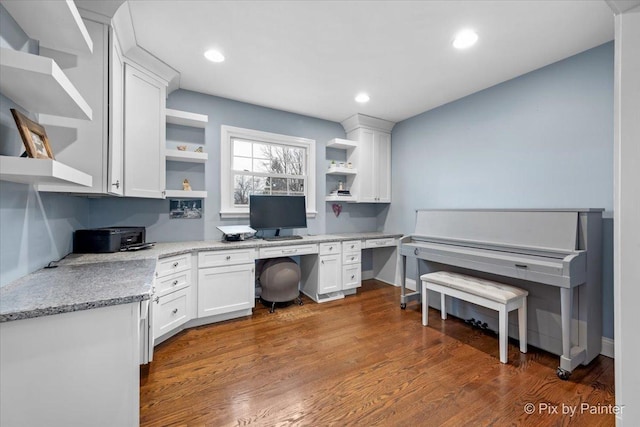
{"points": [[37, 84], [55, 24], [339, 199], [181, 194], [342, 171], [186, 156], [185, 118], [342, 144], [25, 170]]}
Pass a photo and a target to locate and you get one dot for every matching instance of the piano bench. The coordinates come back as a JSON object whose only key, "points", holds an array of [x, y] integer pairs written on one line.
{"points": [[499, 297]]}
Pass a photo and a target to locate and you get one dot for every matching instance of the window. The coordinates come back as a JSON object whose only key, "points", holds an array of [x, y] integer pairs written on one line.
{"points": [[255, 162]]}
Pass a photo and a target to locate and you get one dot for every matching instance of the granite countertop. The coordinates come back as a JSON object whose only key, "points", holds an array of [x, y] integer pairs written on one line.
{"points": [[77, 287], [86, 281]]}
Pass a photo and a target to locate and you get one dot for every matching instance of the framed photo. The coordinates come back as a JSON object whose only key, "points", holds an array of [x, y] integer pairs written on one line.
{"points": [[33, 136], [185, 209]]}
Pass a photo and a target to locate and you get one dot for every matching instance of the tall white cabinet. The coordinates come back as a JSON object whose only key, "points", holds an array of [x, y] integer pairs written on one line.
{"points": [[92, 146], [144, 134], [372, 183]]}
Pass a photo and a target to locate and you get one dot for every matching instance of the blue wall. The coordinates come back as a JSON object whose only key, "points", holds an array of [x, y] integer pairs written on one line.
{"points": [[154, 213], [542, 140], [35, 228]]}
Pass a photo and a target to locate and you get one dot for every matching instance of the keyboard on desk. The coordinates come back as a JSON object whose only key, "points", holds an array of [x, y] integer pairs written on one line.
{"points": [[279, 238]]}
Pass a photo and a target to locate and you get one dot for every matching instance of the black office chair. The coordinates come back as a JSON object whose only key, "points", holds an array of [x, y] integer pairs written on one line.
{"points": [[279, 279]]}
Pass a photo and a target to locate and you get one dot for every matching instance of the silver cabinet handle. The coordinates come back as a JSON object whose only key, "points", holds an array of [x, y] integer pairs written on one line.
{"points": [[322, 261], [175, 310], [156, 300], [290, 251], [116, 184], [330, 248], [353, 276], [175, 282], [228, 257], [416, 251], [175, 264]]}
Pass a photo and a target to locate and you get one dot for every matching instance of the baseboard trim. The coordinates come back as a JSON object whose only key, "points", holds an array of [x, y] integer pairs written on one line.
{"points": [[607, 347]]}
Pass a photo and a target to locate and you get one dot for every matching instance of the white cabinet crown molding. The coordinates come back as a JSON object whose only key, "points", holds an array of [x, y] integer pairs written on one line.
{"points": [[362, 120]]}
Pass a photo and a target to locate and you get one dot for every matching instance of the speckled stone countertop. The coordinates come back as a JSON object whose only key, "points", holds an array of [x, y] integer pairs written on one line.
{"points": [[86, 281], [77, 287]]}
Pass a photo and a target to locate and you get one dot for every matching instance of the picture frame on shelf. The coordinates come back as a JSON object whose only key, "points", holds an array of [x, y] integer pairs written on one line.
{"points": [[34, 137]]}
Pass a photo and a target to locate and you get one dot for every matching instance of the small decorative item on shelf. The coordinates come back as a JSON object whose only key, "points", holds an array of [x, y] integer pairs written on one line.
{"points": [[337, 208], [350, 165], [341, 164], [182, 148], [186, 186], [199, 150], [332, 164], [33, 136], [340, 185]]}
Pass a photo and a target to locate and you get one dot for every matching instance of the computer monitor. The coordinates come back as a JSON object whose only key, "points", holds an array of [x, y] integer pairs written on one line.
{"points": [[277, 212]]}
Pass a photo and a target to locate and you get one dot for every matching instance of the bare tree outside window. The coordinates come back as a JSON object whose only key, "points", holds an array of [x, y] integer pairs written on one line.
{"points": [[262, 168]]}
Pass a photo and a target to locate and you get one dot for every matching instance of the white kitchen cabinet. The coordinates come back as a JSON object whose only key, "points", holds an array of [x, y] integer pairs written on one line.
{"points": [[322, 275], [171, 311], [72, 369], [173, 298], [144, 134], [351, 264], [223, 290], [372, 184], [95, 146]]}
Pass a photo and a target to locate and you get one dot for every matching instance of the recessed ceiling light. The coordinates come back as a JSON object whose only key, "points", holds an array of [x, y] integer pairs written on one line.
{"points": [[362, 98], [214, 55], [465, 39]]}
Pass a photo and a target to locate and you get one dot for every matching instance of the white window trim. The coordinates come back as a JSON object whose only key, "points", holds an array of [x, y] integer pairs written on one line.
{"points": [[228, 133]]}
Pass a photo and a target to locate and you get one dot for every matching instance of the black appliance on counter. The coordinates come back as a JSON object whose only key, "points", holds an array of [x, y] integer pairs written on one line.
{"points": [[109, 239]]}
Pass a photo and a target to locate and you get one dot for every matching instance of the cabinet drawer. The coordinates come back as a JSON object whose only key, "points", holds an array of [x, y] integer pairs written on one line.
{"points": [[377, 243], [220, 258], [173, 264], [351, 275], [351, 258], [352, 246], [171, 311], [330, 248], [290, 250], [173, 282]]}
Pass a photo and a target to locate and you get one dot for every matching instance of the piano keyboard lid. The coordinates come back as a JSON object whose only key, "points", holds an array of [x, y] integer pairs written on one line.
{"points": [[540, 230]]}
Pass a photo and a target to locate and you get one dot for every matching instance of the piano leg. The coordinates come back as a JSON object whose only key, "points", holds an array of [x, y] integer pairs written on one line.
{"points": [[571, 356], [404, 297]]}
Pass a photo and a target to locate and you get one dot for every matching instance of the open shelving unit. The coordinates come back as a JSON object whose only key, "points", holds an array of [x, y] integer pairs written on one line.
{"points": [[186, 156], [181, 194], [37, 84], [349, 173], [24, 170], [55, 24], [185, 118]]}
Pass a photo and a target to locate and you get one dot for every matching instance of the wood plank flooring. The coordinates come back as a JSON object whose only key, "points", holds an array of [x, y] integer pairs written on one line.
{"points": [[362, 361]]}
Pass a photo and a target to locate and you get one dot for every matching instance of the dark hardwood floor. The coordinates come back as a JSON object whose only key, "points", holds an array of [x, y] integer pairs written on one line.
{"points": [[362, 361]]}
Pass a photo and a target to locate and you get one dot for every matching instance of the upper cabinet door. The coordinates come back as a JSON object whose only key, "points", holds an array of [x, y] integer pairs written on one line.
{"points": [[144, 134], [115, 183], [382, 154]]}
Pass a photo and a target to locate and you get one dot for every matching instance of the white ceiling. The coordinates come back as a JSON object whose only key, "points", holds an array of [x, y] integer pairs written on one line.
{"points": [[313, 57]]}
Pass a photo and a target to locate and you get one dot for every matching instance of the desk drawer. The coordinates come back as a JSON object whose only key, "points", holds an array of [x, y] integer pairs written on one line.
{"points": [[351, 258], [378, 243], [290, 250], [173, 264], [173, 282], [352, 246], [351, 276], [330, 248], [230, 257]]}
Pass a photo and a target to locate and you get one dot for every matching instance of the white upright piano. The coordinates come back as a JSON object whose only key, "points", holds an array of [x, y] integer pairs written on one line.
{"points": [[555, 254]]}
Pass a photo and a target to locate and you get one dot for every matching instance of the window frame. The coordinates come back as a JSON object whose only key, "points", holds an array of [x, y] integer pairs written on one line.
{"points": [[228, 133]]}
